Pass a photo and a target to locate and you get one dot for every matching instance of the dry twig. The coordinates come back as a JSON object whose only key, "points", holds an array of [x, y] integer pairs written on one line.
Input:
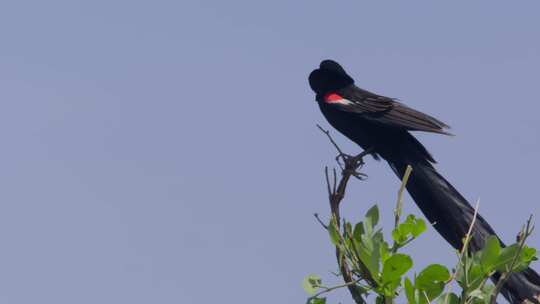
{"points": [[350, 166]]}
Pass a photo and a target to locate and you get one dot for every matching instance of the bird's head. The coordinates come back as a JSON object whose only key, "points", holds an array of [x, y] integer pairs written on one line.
{"points": [[330, 76]]}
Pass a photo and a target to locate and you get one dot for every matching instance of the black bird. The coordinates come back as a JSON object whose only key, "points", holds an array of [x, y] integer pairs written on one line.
{"points": [[382, 125]]}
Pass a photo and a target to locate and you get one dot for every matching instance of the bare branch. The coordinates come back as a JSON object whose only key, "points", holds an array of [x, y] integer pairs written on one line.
{"points": [[320, 221], [468, 235], [327, 132], [328, 289], [399, 203], [327, 182], [336, 193]]}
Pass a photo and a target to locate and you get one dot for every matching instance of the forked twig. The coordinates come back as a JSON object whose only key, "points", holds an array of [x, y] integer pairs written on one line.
{"points": [[336, 192], [522, 237], [327, 132], [347, 163]]}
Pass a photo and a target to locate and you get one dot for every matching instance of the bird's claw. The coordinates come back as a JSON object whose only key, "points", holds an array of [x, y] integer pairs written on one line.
{"points": [[351, 164], [359, 176]]}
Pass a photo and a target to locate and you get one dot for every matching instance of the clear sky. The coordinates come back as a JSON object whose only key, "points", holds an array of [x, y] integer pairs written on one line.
{"points": [[166, 151]]}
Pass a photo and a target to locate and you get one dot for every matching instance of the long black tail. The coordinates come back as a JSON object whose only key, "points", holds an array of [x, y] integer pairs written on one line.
{"points": [[452, 214]]}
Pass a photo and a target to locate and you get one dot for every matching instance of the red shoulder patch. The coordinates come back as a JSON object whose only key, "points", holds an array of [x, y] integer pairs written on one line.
{"points": [[332, 98]]}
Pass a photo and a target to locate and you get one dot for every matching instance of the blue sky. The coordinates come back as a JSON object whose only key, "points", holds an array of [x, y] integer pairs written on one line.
{"points": [[166, 151]]}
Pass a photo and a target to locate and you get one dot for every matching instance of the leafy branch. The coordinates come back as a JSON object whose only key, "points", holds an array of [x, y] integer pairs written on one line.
{"points": [[525, 232], [370, 266]]}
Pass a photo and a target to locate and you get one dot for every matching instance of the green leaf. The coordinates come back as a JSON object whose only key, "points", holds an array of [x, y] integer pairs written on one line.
{"points": [[463, 268], [506, 257], [378, 236], [368, 226], [311, 283], [348, 228], [528, 254], [410, 228], [476, 276], [432, 279], [385, 251], [316, 301], [396, 236], [410, 291], [405, 228], [423, 297], [370, 255], [367, 242], [333, 232], [433, 273], [410, 218], [396, 266], [375, 261], [490, 254], [391, 289], [373, 215], [419, 227], [358, 231]]}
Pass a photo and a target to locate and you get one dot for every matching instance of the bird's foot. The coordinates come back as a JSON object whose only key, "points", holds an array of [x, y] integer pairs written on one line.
{"points": [[352, 164]]}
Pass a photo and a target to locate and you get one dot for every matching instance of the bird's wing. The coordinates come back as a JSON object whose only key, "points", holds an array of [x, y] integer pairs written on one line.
{"points": [[384, 110]]}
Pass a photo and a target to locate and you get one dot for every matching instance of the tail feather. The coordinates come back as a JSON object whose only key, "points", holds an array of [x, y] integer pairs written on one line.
{"points": [[451, 215]]}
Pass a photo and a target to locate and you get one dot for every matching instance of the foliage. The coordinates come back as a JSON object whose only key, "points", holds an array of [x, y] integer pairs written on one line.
{"points": [[379, 270]]}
